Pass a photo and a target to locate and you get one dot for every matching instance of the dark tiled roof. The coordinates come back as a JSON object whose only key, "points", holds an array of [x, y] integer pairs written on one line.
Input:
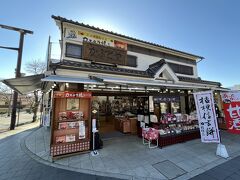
{"points": [[150, 72], [94, 67], [153, 68], [198, 80], [121, 35]]}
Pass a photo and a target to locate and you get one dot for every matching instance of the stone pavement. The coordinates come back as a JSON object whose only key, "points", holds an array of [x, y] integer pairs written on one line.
{"points": [[24, 118], [15, 164], [19, 129], [229, 170], [128, 158]]}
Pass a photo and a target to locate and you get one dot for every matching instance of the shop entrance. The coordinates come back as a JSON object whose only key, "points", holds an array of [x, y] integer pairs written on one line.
{"points": [[117, 115]]}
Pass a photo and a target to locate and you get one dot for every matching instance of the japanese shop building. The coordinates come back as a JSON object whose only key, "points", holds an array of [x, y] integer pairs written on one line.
{"points": [[114, 78]]}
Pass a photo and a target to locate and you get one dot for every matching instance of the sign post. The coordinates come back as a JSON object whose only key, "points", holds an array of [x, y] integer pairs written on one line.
{"points": [[207, 120], [94, 130]]}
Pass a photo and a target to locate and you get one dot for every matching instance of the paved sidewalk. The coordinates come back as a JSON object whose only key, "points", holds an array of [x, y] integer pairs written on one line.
{"points": [[128, 158], [19, 129], [227, 171], [24, 118], [15, 164]]}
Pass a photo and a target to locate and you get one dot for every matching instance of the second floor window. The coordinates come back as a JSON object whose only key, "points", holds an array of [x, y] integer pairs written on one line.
{"points": [[131, 61], [182, 69], [73, 50]]}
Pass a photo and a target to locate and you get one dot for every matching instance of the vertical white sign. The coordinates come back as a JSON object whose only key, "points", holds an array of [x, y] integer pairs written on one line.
{"points": [[81, 130], [207, 117], [151, 105], [94, 126]]}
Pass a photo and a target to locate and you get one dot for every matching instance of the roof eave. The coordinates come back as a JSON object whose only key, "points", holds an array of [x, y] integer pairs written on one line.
{"points": [[150, 44]]}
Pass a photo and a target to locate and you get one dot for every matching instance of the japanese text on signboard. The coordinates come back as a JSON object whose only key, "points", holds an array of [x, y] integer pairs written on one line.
{"points": [[98, 53], [80, 35], [231, 106], [206, 117], [67, 94]]}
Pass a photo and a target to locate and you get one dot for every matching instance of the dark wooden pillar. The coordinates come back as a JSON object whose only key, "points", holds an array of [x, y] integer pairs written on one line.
{"points": [[187, 102]]}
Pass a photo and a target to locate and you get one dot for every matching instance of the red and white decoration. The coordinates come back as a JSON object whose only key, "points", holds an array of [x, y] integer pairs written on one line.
{"points": [[231, 106]]}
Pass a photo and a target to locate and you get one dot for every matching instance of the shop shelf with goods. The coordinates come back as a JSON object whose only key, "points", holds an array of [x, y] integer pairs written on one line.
{"points": [[176, 128], [70, 124]]}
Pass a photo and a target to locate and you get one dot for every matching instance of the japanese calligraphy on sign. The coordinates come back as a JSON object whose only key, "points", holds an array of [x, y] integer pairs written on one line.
{"points": [[231, 106], [207, 117], [158, 99], [98, 53], [80, 35], [67, 94]]}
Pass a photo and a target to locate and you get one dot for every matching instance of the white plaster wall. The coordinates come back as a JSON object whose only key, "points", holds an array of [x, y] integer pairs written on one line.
{"points": [[143, 60]]}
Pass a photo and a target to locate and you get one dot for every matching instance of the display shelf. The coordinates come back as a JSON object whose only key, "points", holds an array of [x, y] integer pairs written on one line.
{"points": [[178, 138], [70, 120], [182, 132], [70, 124], [180, 122], [186, 130]]}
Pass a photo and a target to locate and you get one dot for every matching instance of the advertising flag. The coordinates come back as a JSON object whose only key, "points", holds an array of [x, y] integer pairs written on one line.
{"points": [[231, 106], [207, 117]]}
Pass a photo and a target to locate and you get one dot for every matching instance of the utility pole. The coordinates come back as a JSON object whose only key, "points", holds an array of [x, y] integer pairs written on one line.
{"points": [[18, 69]]}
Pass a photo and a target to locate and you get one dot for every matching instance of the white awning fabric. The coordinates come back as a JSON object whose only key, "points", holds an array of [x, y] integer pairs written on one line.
{"points": [[25, 84], [152, 82], [70, 79]]}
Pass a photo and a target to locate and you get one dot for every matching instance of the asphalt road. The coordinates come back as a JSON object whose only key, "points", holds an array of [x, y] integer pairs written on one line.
{"points": [[15, 164]]}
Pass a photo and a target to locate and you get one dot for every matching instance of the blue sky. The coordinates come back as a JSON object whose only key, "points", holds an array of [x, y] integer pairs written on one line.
{"points": [[207, 28]]}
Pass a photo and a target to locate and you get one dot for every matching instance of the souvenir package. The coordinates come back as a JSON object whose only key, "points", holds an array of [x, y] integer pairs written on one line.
{"points": [[178, 117], [72, 125], [162, 132], [60, 139], [184, 117], [153, 118], [62, 116], [62, 125], [193, 116], [70, 115], [168, 118], [146, 119], [140, 117], [70, 138], [74, 114]]}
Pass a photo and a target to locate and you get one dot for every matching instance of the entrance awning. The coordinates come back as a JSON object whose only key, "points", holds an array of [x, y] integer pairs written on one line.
{"points": [[25, 84], [152, 82], [71, 79]]}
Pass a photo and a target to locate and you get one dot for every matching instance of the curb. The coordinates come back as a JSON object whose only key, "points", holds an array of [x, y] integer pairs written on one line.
{"points": [[85, 171], [24, 147]]}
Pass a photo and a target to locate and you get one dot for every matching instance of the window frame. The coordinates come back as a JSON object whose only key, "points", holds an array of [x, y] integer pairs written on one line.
{"points": [[70, 55], [182, 69], [132, 56]]}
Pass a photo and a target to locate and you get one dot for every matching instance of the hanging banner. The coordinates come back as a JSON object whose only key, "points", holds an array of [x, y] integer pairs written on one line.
{"points": [[151, 104], [87, 36], [207, 117], [67, 94], [231, 106], [159, 99]]}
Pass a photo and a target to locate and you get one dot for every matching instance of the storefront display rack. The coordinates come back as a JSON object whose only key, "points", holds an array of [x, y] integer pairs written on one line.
{"points": [[168, 139], [70, 131]]}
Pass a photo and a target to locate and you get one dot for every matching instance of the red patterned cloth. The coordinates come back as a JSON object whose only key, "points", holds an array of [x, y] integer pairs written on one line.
{"points": [[150, 133]]}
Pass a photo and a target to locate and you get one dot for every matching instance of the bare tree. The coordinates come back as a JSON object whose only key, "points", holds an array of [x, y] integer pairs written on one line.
{"points": [[5, 95], [35, 67]]}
